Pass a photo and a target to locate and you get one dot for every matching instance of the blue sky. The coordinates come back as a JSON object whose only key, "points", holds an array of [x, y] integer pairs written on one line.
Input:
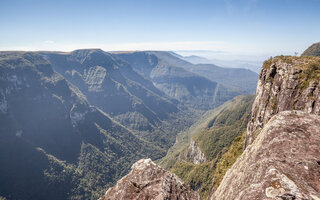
{"points": [[246, 27]]}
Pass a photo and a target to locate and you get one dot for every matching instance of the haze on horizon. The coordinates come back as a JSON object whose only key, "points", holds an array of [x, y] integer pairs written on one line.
{"points": [[216, 28]]}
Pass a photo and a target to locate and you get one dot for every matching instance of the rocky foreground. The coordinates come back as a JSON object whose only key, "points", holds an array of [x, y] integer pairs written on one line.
{"points": [[148, 181], [282, 163]]}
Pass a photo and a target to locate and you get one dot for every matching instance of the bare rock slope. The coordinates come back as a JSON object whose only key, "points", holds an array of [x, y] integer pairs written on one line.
{"points": [[148, 181], [283, 162], [194, 153]]}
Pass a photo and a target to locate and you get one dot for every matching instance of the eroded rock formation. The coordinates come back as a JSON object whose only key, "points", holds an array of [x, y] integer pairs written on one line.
{"points": [[283, 162], [148, 181], [194, 154]]}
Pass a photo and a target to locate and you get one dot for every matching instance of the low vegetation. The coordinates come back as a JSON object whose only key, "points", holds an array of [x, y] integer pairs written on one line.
{"points": [[308, 67], [198, 177], [228, 158], [310, 72], [226, 127]]}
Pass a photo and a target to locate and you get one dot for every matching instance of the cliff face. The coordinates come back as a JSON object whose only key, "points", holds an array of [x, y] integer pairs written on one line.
{"points": [[285, 83], [283, 162], [281, 158], [149, 181]]}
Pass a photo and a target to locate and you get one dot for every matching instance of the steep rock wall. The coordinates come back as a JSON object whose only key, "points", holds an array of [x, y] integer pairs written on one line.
{"points": [[285, 83]]}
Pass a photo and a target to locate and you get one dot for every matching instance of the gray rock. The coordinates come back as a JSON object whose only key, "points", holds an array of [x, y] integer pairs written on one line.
{"points": [[194, 154], [280, 87], [281, 163], [149, 181]]}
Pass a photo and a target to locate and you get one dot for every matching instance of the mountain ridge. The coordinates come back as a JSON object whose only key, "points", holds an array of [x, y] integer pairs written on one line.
{"points": [[51, 121], [193, 90]]}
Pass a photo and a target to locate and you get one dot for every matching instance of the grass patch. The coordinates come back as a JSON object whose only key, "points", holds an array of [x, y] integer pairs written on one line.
{"points": [[221, 131], [228, 159], [228, 125], [198, 177], [310, 72], [308, 67]]}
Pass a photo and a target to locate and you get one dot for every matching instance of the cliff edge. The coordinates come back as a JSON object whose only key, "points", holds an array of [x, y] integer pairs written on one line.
{"points": [[285, 83]]}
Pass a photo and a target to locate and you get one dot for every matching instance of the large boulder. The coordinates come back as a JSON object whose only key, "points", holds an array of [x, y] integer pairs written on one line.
{"points": [[148, 181]]}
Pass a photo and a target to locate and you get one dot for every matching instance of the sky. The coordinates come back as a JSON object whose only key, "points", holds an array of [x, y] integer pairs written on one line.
{"points": [[226, 28]]}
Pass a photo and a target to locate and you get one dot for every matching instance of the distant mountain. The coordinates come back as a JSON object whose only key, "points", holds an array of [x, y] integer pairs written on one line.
{"points": [[168, 74], [313, 50], [112, 85], [53, 143], [254, 66], [241, 80], [193, 59], [236, 73], [237, 78]]}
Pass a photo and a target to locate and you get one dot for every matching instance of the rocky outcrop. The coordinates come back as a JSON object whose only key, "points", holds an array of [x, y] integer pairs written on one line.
{"points": [[283, 162], [194, 154], [285, 83], [313, 50], [149, 181]]}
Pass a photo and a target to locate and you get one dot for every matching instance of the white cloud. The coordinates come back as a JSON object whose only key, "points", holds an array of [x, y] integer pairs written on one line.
{"points": [[48, 42], [179, 45], [139, 46], [213, 49]]}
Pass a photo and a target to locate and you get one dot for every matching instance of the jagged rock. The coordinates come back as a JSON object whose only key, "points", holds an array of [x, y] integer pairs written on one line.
{"points": [[285, 83], [149, 181], [194, 154], [283, 162]]}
